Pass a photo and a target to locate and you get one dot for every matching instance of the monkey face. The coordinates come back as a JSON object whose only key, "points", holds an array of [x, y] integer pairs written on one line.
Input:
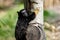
{"points": [[23, 13]]}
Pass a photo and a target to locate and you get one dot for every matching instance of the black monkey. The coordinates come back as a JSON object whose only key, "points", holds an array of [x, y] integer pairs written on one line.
{"points": [[24, 18]]}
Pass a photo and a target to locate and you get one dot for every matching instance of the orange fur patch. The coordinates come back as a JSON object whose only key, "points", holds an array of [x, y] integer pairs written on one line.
{"points": [[36, 11]]}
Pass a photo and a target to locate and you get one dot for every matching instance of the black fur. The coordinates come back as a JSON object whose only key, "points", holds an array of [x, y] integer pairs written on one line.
{"points": [[22, 23]]}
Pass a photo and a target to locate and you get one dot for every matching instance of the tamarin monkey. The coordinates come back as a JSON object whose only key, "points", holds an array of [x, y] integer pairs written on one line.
{"points": [[23, 21]]}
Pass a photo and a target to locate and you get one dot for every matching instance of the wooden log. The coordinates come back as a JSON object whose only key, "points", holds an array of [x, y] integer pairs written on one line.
{"points": [[35, 31]]}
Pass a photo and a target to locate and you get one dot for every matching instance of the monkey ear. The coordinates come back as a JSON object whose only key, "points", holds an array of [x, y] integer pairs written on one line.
{"points": [[18, 13]]}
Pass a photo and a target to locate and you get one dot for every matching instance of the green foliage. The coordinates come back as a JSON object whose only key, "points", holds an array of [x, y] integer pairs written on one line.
{"points": [[49, 14], [8, 22]]}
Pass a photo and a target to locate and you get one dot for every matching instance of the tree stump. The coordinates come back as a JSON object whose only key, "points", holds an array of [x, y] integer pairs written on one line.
{"points": [[35, 32]]}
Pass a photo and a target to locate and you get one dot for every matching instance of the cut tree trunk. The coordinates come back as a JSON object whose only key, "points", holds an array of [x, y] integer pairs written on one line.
{"points": [[35, 30]]}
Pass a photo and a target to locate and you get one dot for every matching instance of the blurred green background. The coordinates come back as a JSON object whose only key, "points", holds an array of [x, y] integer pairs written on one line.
{"points": [[8, 19]]}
